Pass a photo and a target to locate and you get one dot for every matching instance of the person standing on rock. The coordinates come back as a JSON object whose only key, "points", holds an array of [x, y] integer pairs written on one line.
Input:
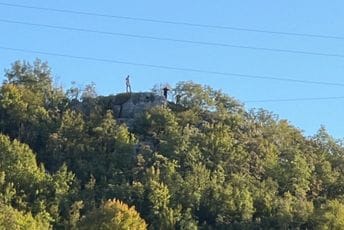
{"points": [[127, 83], [165, 89]]}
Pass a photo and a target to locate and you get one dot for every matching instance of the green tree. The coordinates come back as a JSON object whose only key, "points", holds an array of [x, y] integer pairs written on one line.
{"points": [[11, 218], [331, 216], [28, 187], [33, 103], [163, 216], [114, 214], [19, 164]]}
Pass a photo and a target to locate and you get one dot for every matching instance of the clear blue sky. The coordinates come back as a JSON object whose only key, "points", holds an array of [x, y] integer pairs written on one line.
{"points": [[308, 16]]}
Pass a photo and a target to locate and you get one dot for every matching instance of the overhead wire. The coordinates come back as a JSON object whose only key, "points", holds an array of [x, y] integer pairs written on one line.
{"points": [[294, 99], [188, 70], [173, 39], [175, 68], [201, 71], [180, 23], [184, 41]]}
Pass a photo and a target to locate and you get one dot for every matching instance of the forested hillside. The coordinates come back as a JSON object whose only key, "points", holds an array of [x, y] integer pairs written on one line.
{"points": [[67, 161]]}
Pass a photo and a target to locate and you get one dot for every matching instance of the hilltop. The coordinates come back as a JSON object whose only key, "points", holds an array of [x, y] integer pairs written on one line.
{"points": [[134, 161]]}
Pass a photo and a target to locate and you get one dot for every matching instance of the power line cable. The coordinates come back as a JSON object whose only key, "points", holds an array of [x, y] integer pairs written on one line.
{"points": [[225, 74], [294, 99], [151, 20], [174, 40], [201, 71]]}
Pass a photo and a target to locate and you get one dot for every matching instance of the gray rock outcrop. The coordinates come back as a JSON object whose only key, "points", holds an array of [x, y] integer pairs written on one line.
{"points": [[130, 104]]}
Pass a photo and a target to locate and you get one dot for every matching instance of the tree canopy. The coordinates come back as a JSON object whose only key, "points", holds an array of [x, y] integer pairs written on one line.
{"points": [[203, 161]]}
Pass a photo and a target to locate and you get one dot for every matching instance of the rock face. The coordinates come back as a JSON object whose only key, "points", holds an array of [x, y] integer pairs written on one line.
{"points": [[127, 105], [124, 106]]}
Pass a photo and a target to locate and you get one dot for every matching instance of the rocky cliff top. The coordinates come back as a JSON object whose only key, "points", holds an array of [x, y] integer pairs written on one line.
{"points": [[124, 105], [129, 104]]}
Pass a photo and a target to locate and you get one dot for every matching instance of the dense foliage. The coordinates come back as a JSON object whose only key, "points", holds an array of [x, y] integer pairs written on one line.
{"points": [[66, 162]]}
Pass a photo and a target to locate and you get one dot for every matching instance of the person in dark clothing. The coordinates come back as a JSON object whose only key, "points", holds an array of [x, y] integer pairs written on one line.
{"points": [[165, 89]]}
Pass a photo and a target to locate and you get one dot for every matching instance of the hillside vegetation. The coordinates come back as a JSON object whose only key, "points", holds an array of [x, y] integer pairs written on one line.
{"points": [[67, 162]]}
